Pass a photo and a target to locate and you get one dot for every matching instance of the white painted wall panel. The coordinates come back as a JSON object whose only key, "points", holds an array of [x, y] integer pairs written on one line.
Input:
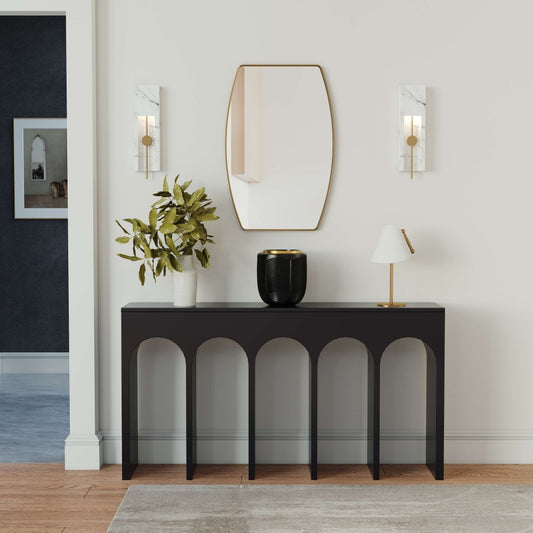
{"points": [[467, 216]]}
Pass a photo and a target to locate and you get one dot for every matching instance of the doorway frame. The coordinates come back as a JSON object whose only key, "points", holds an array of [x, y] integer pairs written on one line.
{"points": [[83, 446]]}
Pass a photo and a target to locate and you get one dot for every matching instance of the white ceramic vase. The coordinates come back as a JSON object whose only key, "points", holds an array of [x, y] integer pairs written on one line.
{"points": [[185, 283]]}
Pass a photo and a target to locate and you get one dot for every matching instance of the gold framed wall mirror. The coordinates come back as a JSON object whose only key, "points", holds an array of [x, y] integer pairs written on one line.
{"points": [[279, 146]]}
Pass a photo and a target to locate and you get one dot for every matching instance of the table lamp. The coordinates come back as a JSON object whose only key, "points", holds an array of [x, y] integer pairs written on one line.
{"points": [[393, 247]]}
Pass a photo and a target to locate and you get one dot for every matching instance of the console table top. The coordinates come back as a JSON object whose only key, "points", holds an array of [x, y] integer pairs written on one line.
{"points": [[307, 307]]}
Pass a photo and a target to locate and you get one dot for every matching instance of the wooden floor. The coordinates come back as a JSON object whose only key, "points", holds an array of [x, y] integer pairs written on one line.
{"points": [[45, 498]]}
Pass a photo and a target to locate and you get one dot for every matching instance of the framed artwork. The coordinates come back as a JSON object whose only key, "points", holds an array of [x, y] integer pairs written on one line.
{"points": [[40, 161]]}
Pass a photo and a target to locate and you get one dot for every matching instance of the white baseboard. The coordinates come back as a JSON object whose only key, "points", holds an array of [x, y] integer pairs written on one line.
{"points": [[34, 363], [83, 452], [334, 447]]}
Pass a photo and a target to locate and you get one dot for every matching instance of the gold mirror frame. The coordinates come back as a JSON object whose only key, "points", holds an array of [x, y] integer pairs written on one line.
{"points": [[332, 148]]}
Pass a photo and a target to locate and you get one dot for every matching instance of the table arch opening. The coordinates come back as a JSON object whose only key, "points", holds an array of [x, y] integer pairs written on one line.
{"points": [[222, 401], [342, 402], [282, 402], [161, 401], [403, 401]]}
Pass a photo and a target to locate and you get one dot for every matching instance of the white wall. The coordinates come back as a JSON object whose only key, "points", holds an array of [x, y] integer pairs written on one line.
{"points": [[467, 216]]}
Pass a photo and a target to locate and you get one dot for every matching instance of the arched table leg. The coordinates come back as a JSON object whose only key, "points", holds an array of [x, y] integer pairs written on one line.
{"points": [[373, 413], [435, 412], [130, 454], [313, 414], [190, 385], [251, 415]]}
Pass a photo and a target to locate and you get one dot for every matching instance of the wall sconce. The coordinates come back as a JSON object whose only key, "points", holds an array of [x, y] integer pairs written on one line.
{"points": [[412, 128], [146, 107]]}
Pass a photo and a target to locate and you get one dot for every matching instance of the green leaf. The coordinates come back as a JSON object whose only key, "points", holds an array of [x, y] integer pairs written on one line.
{"points": [[178, 194], [151, 266], [165, 184], [171, 228], [167, 263], [175, 263], [202, 231], [185, 186], [163, 194], [145, 247], [185, 228], [206, 210], [130, 257], [171, 245], [196, 208], [153, 217], [142, 272], [144, 227], [200, 256], [206, 216], [123, 240], [122, 227], [169, 217], [159, 266], [196, 195], [206, 255], [135, 227]]}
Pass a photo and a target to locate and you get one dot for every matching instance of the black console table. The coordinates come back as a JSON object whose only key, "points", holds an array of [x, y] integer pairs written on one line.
{"points": [[314, 325]]}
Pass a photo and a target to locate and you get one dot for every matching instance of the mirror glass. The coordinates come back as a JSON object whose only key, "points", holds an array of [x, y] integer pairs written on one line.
{"points": [[279, 146]]}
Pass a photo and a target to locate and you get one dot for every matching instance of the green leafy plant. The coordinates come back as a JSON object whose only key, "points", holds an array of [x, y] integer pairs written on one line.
{"points": [[175, 228]]}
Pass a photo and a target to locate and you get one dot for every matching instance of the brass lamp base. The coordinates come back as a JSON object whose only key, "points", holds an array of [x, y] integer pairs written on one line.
{"points": [[391, 302]]}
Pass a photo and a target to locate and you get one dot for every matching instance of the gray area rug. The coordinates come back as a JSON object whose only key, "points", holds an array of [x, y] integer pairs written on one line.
{"points": [[426, 508]]}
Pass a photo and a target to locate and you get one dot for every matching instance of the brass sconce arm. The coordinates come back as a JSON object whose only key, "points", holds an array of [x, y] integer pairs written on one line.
{"points": [[411, 141], [147, 141]]}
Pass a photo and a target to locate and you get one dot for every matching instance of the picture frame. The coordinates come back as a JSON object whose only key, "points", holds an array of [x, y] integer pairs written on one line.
{"points": [[40, 167]]}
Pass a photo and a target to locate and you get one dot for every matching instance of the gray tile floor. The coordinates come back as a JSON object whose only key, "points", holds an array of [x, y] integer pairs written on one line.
{"points": [[34, 417]]}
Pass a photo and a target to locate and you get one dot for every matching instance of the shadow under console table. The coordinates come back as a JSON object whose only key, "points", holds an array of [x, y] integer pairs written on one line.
{"points": [[314, 325]]}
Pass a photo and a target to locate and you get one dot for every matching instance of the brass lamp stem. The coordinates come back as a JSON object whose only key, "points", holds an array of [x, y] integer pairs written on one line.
{"points": [[391, 282], [391, 302]]}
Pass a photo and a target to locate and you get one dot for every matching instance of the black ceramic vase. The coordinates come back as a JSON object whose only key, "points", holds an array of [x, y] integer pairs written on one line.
{"points": [[281, 276]]}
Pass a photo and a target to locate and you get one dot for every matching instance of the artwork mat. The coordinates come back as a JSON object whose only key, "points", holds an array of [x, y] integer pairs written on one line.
{"points": [[19, 126]]}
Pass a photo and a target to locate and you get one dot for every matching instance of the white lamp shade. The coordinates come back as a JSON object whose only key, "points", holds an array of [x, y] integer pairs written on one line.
{"points": [[392, 247]]}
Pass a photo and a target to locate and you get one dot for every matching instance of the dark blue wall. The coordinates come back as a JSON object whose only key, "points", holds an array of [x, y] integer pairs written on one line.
{"points": [[33, 253]]}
